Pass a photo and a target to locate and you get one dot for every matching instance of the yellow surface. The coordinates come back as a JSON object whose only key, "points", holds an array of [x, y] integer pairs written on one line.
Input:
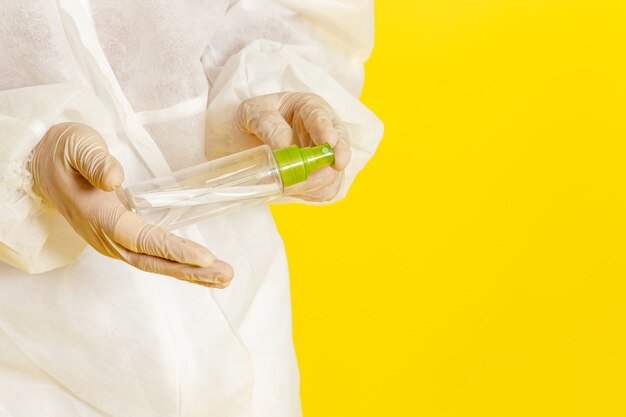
{"points": [[491, 279]]}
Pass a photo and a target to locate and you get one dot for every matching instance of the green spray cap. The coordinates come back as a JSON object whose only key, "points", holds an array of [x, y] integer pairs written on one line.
{"points": [[296, 164]]}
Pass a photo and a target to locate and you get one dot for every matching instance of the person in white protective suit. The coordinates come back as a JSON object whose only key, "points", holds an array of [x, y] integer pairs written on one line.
{"points": [[93, 321]]}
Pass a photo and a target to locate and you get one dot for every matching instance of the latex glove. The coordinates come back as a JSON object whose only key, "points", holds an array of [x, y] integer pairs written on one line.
{"points": [[304, 119], [73, 172]]}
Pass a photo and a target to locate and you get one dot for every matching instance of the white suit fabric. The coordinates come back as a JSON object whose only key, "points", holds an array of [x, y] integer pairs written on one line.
{"points": [[85, 335]]}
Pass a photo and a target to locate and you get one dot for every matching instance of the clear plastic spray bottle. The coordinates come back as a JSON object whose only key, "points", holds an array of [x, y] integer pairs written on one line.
{"points": [[244, 179]]}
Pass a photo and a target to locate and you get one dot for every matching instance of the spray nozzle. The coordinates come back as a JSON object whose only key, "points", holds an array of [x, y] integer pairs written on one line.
{"points": [[296, 164]]}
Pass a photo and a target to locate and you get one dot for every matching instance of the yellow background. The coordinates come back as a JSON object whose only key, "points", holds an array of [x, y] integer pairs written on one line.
{"points": [[477, 267]]}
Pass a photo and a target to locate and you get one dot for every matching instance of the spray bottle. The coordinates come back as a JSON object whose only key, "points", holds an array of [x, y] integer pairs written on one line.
{"points": [[224, 185]]}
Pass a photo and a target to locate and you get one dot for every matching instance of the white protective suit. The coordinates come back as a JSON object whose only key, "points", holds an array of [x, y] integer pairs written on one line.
{"points": [[85, 335]]}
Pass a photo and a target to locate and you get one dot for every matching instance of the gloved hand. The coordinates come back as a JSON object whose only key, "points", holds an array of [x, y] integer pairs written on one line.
{"points": [[304, 119], [73, 172]]}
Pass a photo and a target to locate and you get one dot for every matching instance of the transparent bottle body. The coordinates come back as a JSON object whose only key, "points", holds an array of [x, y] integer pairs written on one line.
{"points": [[217, 187]]}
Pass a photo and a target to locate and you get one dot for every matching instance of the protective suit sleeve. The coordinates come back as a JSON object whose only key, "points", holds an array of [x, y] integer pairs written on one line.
{"points": [[33, 236], [266, 47]]}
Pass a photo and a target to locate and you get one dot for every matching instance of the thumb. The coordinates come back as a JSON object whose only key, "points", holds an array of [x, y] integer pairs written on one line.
{"points": [[87, 152]]}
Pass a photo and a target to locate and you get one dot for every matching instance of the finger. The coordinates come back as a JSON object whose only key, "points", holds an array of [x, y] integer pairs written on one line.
{"points": [[319, 179], [300, 133], [218, 275], [317, 117], [326, 193], [87, 153], [267, 124], [323, 126], [135, 234], [341, 150]]}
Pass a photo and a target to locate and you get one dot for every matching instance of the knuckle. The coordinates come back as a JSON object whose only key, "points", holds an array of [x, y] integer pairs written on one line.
{"points": [[308, 97], [313, 110], [247, 112], [246, 106], [264, 120], [261, 122], [270, 116], [321, 118]]}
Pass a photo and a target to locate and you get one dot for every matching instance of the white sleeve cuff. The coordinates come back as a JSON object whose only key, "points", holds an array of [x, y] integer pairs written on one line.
{"points": [[33, 236]]}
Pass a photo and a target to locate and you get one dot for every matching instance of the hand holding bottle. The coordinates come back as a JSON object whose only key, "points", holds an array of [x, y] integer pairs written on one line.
{"points": [[74, 173], [304, 119]]}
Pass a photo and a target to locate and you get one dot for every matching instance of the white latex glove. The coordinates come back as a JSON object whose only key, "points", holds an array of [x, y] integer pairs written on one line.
{"points": [[74, 173], [304, 119]]}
